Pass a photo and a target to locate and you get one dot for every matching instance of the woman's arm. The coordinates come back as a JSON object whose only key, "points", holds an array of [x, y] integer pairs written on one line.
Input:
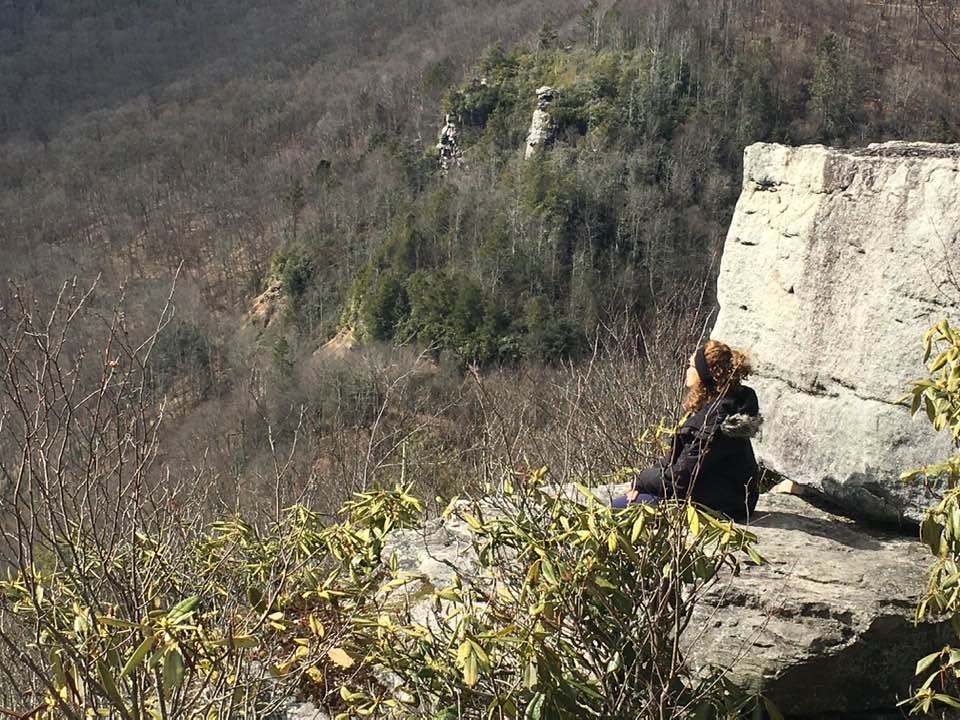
{"points": [[650, 481], [676, 479]]}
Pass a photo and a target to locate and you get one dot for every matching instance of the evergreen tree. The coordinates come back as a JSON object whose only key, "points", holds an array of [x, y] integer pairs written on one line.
{"points": [[835, 96]]}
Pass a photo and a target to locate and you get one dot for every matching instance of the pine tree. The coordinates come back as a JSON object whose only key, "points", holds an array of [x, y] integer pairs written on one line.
{"points": [[835, 96]]}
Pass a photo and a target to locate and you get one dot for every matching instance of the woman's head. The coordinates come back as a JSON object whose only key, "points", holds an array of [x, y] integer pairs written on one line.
{"points": [[712, 371]]}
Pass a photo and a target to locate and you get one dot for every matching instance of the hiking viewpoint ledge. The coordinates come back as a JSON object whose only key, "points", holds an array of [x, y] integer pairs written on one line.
{"points": [[825, 625]]}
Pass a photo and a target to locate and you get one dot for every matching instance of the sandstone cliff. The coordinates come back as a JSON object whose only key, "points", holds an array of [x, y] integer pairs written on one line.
{"points": [[542, 128], [834, 265]]}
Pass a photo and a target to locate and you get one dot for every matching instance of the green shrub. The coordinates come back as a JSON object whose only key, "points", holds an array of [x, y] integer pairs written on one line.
{"points": [[938, 397], [179, 622], [184, 353], [574, 611]]}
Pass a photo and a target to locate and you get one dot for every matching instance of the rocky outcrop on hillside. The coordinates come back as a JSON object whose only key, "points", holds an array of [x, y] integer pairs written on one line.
{"points": [[338, 347], [268, 307], [542, 128], [834, 265], [449, 152]]}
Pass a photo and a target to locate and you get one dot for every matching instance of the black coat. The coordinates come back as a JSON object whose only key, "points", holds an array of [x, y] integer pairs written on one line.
{"points": [[711, 459]]}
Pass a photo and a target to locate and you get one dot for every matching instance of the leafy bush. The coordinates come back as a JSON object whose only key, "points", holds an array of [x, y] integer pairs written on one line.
{"points": [[183, 623], [938, 396], [574, 611]]}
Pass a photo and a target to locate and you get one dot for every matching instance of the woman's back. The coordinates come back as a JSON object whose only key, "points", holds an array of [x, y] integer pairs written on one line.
{"points": [[711, 460]]}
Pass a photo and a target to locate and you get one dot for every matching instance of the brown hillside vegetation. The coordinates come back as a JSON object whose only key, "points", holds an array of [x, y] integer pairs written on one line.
{"points": [[289, 146], [134, 136]]}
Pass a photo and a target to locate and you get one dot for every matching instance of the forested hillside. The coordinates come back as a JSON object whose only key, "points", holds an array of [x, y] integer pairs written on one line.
{"points": [[137, 135], [291, 145], [504, 258], [256, 321]]}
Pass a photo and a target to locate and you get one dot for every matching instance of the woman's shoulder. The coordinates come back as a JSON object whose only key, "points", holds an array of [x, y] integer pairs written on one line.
{"points": [[736, 409], [741, 399]]}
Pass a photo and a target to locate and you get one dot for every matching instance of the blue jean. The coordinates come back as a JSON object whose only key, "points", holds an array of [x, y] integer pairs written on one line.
{"points": [[620, 502]]}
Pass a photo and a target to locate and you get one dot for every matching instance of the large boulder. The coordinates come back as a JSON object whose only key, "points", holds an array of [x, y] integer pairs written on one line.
{"points": [[835, 263]]}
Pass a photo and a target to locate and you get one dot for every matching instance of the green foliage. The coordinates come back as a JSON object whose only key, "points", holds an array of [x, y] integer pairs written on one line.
{"points": [[283, 360], [452, 312], [293, 267], [635, 191], [549, 337], [221, 621], [528, 265], [835, 95], [184, 355], [938, 396], [572, 603], [384, 306]]}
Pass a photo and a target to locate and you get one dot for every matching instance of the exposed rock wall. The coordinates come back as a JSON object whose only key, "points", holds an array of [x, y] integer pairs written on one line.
{"points": [[834, 265], [449, 153], [268, 308], [542, 128]]}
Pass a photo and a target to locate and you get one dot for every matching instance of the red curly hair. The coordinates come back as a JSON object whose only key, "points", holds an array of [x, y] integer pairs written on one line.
{"points": [[728, 367]]}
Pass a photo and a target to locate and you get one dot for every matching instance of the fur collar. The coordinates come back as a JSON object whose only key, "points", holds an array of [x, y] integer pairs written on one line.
{"points": [[742, 425]]}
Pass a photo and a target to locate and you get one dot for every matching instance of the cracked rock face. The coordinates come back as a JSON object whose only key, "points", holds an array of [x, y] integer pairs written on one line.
{"points": [[835, 264], [826, 624]]}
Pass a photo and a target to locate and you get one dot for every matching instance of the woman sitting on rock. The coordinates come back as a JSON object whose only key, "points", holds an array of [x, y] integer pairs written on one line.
{"points": [[711, 460]]}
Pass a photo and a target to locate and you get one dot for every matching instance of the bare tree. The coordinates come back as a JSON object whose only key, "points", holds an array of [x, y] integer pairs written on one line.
{"points": [[941, 18]]}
